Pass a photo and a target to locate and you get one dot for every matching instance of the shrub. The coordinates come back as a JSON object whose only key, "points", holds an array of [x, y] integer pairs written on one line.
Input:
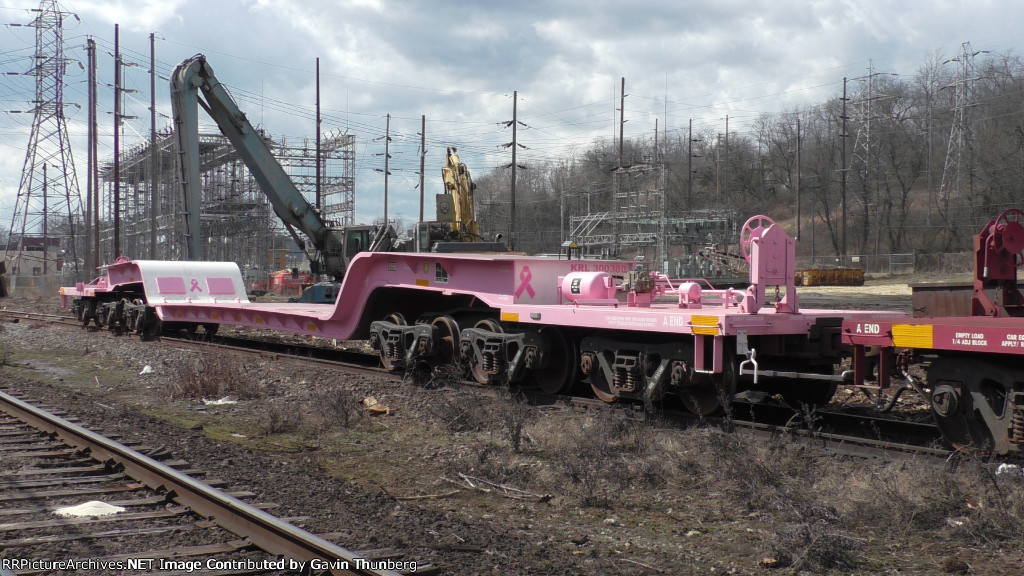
{"points": [[278, 419], [210, 377]]}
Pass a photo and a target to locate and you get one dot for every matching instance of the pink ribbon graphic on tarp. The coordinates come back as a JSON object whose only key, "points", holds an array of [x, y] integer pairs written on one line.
{"points": [[525, 276], [195, 286]]}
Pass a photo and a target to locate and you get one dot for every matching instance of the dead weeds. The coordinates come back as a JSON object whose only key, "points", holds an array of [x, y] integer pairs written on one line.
{"points": [[212, 376]]}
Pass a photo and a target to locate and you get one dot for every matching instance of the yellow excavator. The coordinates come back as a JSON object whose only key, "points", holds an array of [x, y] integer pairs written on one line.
{"points": [[457, 199], [455, 223]]}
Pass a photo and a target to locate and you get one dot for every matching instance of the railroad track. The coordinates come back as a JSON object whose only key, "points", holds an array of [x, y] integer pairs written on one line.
{"points": [[166, 521], [856, 435], [17, 315], [859, 436]]}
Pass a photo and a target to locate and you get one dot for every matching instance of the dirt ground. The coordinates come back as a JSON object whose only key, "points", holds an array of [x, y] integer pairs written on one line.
{"points": [[478, 485]]}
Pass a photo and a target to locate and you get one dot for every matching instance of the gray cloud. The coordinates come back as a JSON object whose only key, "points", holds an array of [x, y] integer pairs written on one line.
{"points": [[458, 62]]}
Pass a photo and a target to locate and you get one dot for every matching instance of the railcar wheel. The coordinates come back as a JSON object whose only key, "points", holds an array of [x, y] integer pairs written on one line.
{"points": [[152, 327], [478, 371], [711, 391], [563, 362], [963, 393], [702, 399], [448, 339], [489, 324], [390, 364], [600, 385], [87, 313]]}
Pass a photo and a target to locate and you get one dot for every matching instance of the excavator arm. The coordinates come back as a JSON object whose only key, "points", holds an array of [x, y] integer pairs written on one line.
{"points": [[195, 77], [458, 184]]}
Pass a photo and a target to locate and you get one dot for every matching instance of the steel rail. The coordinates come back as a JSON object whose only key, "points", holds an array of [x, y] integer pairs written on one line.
{"points": [[263, 530]]}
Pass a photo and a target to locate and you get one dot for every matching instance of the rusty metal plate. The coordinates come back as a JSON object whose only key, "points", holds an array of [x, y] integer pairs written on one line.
{"points": [[941, 299]]}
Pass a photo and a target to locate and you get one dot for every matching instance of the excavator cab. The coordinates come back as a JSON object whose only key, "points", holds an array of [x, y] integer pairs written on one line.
{"points": [[356, 241]]}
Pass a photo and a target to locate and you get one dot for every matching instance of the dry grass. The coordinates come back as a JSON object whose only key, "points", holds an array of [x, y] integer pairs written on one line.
{"points": [[212, 376], [819, 507], [515, 414], [591, 458], [817, 512], [461, 410], [333, 407], [278, 417]]}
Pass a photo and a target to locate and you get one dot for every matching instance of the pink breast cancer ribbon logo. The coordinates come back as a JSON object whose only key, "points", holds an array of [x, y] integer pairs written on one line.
{"points": [[195, 286], [525, 276]]}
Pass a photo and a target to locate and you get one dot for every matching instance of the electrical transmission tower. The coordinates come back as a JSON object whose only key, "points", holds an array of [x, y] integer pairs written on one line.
{"points": [[864, 115], [864, 153], [42, 234], [960, 137]]}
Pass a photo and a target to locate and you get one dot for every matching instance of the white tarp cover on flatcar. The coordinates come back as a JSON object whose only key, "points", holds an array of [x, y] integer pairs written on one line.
{"points": [[192, 281]]}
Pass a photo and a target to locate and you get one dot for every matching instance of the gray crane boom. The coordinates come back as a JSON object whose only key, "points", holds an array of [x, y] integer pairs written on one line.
{"points": [[195, 76]]}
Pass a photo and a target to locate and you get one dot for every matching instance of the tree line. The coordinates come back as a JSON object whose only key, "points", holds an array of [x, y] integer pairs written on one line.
{"points": [[928, 160]]}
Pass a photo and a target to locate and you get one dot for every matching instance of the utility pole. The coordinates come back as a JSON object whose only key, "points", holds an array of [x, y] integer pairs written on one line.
{"points": [[928, 135], [90, 262], [725, 166], [655, 140], [423, 156], [117, 144], [842, 182], [94, 167], [561, 213], [319, 197], [689, 168], [663, 221], [622, 116], [515, 146], [46, 238], [618, 188], [515, 165], [387, 157], [665, 102], [798, 177], [154, 159]]}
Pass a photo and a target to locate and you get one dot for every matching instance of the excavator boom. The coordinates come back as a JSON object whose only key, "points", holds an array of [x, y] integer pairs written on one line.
{"points": [[194, 84]]}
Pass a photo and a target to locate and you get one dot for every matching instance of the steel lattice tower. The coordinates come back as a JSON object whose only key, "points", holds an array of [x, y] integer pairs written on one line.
{"points": [[864, 152], [960, 135], [48, 199], [863, 115]]}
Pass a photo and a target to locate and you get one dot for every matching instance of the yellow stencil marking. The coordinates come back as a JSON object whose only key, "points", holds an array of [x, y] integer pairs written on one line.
{"points": [[705, 325], [912, 335]]}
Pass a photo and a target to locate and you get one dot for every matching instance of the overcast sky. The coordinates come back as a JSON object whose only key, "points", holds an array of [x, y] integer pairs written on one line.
{"points": [[458, 63]]}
